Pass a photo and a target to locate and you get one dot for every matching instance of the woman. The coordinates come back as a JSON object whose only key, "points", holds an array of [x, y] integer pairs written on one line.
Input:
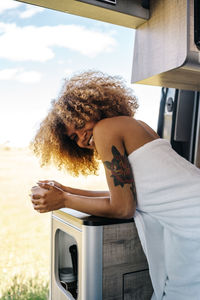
{"points": [[93, 119]]}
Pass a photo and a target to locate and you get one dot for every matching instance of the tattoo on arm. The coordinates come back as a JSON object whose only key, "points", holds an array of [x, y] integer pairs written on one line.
{"points": [[121, 170]]}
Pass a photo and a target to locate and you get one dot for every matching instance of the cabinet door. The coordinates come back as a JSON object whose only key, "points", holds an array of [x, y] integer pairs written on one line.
{"points": [[137, 286]]}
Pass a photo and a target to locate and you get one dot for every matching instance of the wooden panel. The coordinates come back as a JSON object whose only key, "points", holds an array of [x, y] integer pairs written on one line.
{"points": [[161, 42], [137, 286], [165, 53], [121, 245], [113, 287], [178, 78], [192, 45], [122, 253]]}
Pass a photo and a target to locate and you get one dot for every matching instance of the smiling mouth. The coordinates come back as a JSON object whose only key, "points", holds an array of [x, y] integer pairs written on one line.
{"points": [[90, 141]]}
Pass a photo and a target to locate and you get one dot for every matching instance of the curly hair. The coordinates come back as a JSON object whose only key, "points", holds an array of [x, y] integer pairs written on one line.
{"points": [[88, 96]]}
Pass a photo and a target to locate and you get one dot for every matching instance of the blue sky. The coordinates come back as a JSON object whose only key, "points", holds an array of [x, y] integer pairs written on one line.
{"points": [[40, 47]]}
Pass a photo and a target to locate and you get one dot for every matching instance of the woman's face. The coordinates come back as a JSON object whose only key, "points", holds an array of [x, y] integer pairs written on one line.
{"points": [[84, 136]]}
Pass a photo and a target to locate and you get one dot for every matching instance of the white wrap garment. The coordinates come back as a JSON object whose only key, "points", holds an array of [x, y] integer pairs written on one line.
{"points": [[168, 219]]}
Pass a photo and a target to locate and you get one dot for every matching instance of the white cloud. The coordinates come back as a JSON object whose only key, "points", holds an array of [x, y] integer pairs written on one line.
{"points": [[35, 43], [30, 11], [29, 77], [68, 72], [20, 75], [8, 4], [7, 74]]}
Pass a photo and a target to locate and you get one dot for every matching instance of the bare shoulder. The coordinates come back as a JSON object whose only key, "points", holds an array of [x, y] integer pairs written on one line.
{"points": [[109, 132], [124, 125], [114, 124], [123, 130], [148, 129]]}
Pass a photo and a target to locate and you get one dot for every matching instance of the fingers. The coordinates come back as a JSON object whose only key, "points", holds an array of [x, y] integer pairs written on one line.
{"points": [[43, 196], [39, 206], [46, 181], [38, 198], [33, 196], [50, 186], [37, 193], [41, 210], [37, 202], [44, 185], [50, 183]]}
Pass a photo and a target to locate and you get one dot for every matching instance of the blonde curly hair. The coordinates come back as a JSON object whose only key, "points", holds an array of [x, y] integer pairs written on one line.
{"points": [[88, 96]]}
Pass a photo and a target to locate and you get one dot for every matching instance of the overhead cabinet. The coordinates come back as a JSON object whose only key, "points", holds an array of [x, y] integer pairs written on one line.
{"points": [[129, 13], [166, 51]]}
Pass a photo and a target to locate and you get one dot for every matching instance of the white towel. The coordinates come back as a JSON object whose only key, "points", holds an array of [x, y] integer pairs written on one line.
{"points": [[168, 219]]}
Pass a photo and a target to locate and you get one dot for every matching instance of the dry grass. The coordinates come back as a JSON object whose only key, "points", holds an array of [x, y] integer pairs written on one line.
{"points": [[25, 234]]}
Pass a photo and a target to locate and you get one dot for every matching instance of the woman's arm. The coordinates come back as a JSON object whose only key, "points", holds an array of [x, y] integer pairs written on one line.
{"points": [[111, 149], [75, 191], [48, 198], [120, 203]]}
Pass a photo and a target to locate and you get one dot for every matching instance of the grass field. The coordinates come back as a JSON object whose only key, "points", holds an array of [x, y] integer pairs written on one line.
{"points": [[25, 234]]}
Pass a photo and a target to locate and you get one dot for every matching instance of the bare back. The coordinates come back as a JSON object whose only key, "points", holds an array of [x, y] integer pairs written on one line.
{"points": [[134, 133]]}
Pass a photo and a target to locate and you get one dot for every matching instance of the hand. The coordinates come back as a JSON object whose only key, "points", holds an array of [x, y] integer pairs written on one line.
{"points": [[46, 198], [57, 184]]}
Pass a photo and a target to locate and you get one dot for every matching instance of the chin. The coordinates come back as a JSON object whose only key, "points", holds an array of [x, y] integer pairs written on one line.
{"points": [[91, 147]]}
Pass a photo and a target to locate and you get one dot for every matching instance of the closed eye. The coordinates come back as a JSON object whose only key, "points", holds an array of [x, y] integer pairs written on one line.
{"points": [[74, 137]]}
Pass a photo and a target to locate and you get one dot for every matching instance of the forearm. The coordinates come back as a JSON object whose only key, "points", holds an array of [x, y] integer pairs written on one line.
{"points": [[98, 206], [47, 198], [75, 191], [86, 193]]}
